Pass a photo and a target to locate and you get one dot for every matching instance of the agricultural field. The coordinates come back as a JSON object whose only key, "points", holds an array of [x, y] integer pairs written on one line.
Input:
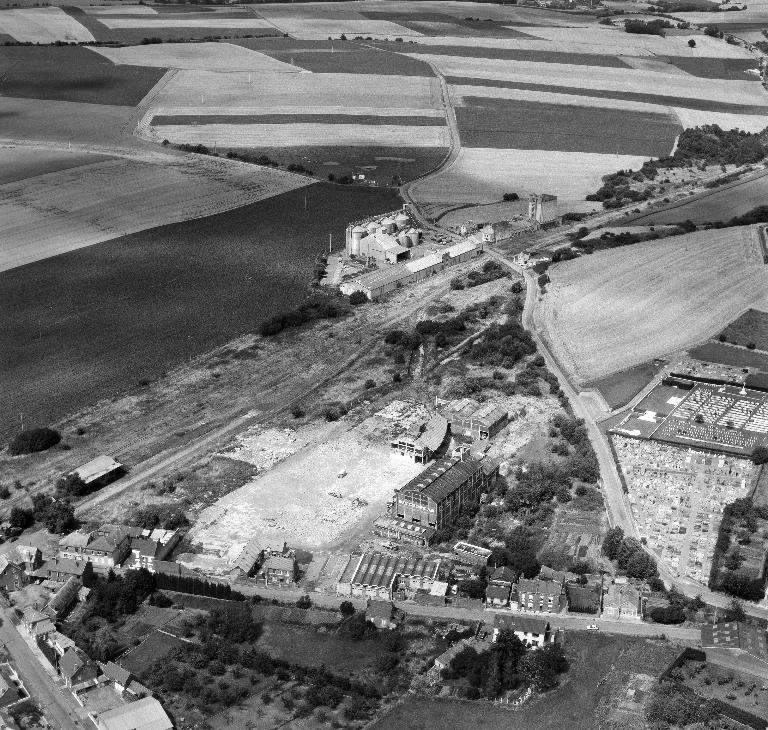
{"points": [[152, 299], [51, 214], [750, 328], [723, 354], [619, 388], [42, 25], [615, 309], [720, 204], [74, 74], [21, 163]]}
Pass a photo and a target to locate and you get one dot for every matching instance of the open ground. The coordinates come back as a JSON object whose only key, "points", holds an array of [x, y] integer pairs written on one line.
{"points": [[617, 308]]}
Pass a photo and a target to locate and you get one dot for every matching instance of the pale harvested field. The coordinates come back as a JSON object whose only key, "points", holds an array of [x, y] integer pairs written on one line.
{"points": [[616, 41], [291, 135], [120, 10], [197, 56], [62, 211], [20, 163], [484, 175], [614, 309], [745, 122], [755, 12], [179, 21], [597, 77], [227, 93], [42, 25]]}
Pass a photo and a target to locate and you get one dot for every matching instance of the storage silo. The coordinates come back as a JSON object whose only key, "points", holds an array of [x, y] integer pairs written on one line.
{"points": [[403, 239], [402, 221], [388, 225], [373, 227], [357, 234], [415, 236]]}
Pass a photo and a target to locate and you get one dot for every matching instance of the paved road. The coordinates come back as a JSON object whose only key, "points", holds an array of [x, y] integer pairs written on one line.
{"points": [[60, 708], [571, 623]]}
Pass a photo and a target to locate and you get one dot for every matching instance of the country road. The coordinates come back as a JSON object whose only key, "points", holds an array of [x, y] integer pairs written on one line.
{"points": [[59, 708]]}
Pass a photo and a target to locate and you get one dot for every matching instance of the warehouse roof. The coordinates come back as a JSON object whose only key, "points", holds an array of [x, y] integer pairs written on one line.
{"points": [[393, 523], [442, 478], [424, 262], [430, 436], [376, 569], [382, 277], [97, 468], [487, 414], [144, 714], [490, 414], [461, 248]]}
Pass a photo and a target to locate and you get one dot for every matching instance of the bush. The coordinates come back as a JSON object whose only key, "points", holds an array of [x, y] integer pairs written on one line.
{"points": [[33, 441], [347, 608], [510, 197], [370, 383], [357, 298], [297, 411]]}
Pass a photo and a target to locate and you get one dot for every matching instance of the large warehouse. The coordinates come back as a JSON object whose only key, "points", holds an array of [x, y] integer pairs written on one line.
{"points": [[441, 492], [377, 576], [467, 417]]}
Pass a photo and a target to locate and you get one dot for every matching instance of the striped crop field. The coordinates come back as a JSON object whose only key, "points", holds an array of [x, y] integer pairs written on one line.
{"points": [[42, 25], [617, 308]]}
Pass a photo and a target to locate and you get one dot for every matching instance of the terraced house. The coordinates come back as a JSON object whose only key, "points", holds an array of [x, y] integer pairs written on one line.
{"points": [[105, 547]]}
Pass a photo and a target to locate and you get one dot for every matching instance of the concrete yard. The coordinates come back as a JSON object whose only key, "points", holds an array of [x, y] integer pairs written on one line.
{"points": [[303, 500]]}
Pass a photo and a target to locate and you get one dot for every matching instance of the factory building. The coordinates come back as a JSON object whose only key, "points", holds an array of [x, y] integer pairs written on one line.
{"points": [[376, 284], [384, 239], [378, 576], [423, 441], [467, 417], [437, 496], [395, 529]]}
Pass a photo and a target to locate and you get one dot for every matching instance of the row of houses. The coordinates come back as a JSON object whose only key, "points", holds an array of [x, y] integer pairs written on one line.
{"points": [[376, 284]]}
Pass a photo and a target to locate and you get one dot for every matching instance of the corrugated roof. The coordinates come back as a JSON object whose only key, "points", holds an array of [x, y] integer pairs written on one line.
{"points": [[376, 569], [461, 248], [249, 555], [463, 408], [490, 414], [498, 593], [97, 468], [75, 539], [425, 262], [278, 562], [65, 595], [442, 478], [144, 714], [382, 277], [393, 523]]}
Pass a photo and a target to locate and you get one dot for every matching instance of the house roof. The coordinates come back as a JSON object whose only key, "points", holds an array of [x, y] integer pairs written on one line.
{"points": [[144, 714], [525, 624], [736, 635], [279, 562], [544, 587], [503, 573], [73, 660], [65, 595], [462, 408], [117, 673], [442, 478], [97, 468], [497, 593], [62, 565], [430, 436], [561, 576], [249, 555], [7, 561], [78, 538], [145, 546]]}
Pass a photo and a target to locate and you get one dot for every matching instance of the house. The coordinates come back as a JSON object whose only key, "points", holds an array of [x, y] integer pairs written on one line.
{"points": [[63, 569], [503, 576], [36, 623], [76, 667], [100, 471], [12, 575], [445, 659], [9, 691], [497, 595], [63, 599], [30, 555], [738, 638], [438, 496], [59, 643], [143, 714], [382, 614], [469, 418], [420, 443], [250, 556], [621, 602], [583, 599], [105, 547], [121, 677], [470, 554], [279, 570], [533, 632], [559, 576], [151, 546], [540, 596]]}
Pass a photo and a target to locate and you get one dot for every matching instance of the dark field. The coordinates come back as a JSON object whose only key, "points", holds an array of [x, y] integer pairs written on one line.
{"points": [[93, 322], [44, 162], [338, 57], [575, 705], [439, 24], [716, 68], [723, 203], [510, 54], [618, 389], [71, 73], [98, 30], [376, 163], [729, 355], [752, 326], [371, 119], [700, 104], [506, 124]]}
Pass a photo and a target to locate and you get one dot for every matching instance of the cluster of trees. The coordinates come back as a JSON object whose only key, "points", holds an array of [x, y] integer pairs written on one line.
{"points": [[503, 345], [649, 27], [233, 621], [536, 485], [166, 516], [313, 309], [739, 523], [116, 596], [629, 555], [582, 463], [675, 705], [521, 546], [506, 665], [58, 515], [197, 587], [33, 440], [678, 608], [72, 485], [756, 215], [712, 145], [491, 271]]}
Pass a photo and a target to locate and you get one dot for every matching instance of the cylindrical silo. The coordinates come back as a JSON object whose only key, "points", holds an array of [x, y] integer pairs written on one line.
{"points": [[373, 227], [388, 225], [403, 239], [357, 233], [402, 221], [415, 236]]}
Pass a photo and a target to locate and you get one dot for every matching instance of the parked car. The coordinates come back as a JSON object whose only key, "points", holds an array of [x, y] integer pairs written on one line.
{"points": [[593, 627]]}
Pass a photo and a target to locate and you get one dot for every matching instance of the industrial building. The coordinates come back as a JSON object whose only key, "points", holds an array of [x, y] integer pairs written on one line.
{"points": [[100, 471], [378, 576], [423, 441], [384, 239], [403, 531], [376, 284], [471, 554], [437, 496], [467, 417]]}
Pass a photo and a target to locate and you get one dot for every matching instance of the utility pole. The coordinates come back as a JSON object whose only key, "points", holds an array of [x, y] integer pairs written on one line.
{"points": [[21, 416], [330, 239]]}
